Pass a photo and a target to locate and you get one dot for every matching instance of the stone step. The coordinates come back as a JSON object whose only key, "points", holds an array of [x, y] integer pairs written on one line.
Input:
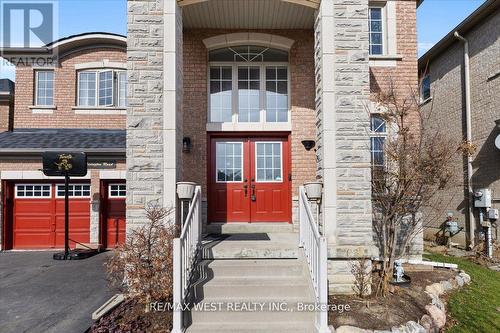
{"points": [[251, 246], [240, 228], [252, 268], [252, 327]]}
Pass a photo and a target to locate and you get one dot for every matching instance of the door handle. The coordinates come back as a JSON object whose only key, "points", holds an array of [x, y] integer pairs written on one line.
{"points": [[245, 187], [253, 197]]}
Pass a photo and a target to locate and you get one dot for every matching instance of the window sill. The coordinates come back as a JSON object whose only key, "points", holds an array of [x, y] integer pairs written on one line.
{"points": [[425, 101], [43, 109], [384, 60], [100, 110], [232, 127]]}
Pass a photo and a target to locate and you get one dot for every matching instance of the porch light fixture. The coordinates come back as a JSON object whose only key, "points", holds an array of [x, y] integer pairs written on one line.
{"points": [[186, 144], [308, 144]]}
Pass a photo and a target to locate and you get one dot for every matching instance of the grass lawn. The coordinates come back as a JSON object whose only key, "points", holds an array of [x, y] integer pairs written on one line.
{"points": [[474, 307]]}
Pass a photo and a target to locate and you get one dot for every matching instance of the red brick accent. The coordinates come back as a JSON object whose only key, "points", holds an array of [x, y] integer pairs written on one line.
{"points": [[302, 101], [65, 86]]}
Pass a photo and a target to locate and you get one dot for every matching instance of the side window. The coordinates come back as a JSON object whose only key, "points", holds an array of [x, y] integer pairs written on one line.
{"points": [[378, 135], [376, 30], [106, 88], [44, 88], [425, 89], [87, 85], [103, 88]]}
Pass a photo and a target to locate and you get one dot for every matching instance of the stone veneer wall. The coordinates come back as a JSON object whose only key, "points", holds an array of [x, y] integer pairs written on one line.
{"points": [[342, 91]]}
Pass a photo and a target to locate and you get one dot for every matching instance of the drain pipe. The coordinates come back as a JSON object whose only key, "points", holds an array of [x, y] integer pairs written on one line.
{"points": [[472, 222]]}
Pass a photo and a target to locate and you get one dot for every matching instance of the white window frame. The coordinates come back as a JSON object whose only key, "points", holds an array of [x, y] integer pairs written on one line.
{"points": [[33, 197], [262, 93], [113, 91], [38, 71], [281, 161], [119, 190], [383, 18], [242, 143], [72, 190], [119, 95], [115, 86], [374, 134]]}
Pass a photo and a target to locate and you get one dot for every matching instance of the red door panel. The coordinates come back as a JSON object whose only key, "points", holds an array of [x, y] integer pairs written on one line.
{"points": [[38, 223], [115, 222], [249, 183]]}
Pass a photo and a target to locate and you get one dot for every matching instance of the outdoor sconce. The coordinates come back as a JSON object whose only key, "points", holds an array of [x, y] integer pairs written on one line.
{"points": [[186, 144], [308, 144]]}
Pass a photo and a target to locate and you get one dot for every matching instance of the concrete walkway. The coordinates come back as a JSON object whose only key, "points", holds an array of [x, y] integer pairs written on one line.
{"points": [[39, 294]]}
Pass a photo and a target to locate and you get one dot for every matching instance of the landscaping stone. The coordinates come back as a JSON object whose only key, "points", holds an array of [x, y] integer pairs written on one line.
{"points": [[438, 316], [459, 280], [465, 277], [428, 324], [437, 302], [413, 327], [351, 329], [446, 285], [435, 289], [453, 282]]}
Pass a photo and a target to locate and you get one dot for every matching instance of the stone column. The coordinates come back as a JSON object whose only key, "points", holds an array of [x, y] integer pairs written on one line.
{"points": [[95, 201], [154, 71]]}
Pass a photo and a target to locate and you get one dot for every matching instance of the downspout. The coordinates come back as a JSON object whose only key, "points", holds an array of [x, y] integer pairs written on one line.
{"points": [[468, 121]]}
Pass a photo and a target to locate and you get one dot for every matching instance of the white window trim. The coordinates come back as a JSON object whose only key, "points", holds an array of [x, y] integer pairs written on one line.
{"points": [[96, 108], [73, 196], [118, 95], [390, 56], [281, 161], [33, 197], [113, 91], [242, 163], [116, 196], [35, 102], [258, 126]]}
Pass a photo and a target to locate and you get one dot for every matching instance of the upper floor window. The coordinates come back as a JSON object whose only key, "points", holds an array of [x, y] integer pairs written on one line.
{"points": [[44, 88], [106, 88], [248, 84], [376, 30], [425, 89], [378, 128]]}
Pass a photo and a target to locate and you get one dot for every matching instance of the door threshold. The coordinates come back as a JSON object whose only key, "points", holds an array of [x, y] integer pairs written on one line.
{"points": [[243, 227]]}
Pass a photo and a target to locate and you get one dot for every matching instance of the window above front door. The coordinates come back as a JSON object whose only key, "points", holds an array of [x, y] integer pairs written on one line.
{"points": [[249, 85]]}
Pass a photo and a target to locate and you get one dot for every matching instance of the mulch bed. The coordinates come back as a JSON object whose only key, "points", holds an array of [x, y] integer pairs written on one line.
{"points": [[130, 316], [400, 306]]}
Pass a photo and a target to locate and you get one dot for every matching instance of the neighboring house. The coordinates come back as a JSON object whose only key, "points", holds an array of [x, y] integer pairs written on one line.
{"points": [[444, 100], [6, 104], [223, 94], [78, 105]]}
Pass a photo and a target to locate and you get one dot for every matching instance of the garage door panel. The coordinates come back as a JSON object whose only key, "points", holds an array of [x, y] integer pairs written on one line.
{"points": [[35, 206], [32, 239]]}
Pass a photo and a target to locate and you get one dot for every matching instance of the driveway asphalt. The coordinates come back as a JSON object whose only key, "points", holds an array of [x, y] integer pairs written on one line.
{"points": [[39, 294]]}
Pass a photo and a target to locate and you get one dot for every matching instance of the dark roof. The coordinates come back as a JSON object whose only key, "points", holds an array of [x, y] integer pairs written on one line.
{"points": [[487, 8], [39, 140], [6, 86]]}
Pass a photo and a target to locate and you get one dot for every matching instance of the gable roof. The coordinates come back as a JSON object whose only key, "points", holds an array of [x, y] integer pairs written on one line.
{"points": [[488, 8]]}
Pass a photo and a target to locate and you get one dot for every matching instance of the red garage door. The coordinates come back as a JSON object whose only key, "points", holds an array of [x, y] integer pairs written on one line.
{"points": [[115, 214], [38, 215]]}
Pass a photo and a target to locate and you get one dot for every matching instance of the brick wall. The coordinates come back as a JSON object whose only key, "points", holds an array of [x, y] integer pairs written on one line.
{"points": [[6, 116], [65, 91], [447, 111], [301, 64]]}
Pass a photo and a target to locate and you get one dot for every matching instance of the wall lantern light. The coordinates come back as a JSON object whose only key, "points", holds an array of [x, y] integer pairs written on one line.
{"points": [[186, 144], [308, 144]]}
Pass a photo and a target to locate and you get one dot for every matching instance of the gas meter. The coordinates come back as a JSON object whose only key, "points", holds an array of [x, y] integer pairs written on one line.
{"points": [[482, 198]]}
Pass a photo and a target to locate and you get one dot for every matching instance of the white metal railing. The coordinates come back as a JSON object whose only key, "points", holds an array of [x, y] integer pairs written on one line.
{"points": [[186, 249], [315, 250]]}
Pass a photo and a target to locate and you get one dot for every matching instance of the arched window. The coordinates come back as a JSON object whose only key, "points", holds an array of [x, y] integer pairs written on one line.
{"points": [[248, 84]]}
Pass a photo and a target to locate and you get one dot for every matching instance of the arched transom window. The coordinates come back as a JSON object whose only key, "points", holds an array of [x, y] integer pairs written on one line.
{"points": [[248, 84]]}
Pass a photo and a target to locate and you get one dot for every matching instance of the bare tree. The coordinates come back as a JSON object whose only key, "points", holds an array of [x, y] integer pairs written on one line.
{"points": [[418, 162], [142, 267]]}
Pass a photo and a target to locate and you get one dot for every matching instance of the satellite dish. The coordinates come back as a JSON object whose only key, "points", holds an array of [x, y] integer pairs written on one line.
{"points": [[497, 142]]}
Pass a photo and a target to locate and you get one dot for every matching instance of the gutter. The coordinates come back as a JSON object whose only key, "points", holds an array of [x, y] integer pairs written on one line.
{"points": [[468, 121]]}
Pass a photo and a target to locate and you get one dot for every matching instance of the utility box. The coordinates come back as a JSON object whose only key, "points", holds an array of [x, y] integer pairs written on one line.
{"points": [[493, 214], [482, 198]]}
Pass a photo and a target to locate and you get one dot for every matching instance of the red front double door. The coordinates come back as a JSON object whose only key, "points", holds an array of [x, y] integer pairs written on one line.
{"points": [[249, 179]]}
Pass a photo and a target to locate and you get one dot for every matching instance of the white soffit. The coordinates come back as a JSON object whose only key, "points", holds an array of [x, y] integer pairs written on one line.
{"points": [[248, 14]]}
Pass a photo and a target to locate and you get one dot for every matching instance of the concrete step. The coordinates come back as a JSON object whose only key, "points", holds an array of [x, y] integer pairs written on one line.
{"points": [[239, 228], [270, 287], [252, 327], [252, 268], [251, 246]]}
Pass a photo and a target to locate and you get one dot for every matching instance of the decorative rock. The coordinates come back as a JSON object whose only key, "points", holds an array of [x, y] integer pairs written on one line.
{"points": [[413, 327], [428, 324], [351, 329], [459, 280], [437, 302], [438, 316], [465, 277], [453, 282], [395, 329], [435, 289], [446, 285]]}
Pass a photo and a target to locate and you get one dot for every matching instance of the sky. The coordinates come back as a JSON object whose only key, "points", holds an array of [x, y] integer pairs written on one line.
{"points": [[435, 18]]}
